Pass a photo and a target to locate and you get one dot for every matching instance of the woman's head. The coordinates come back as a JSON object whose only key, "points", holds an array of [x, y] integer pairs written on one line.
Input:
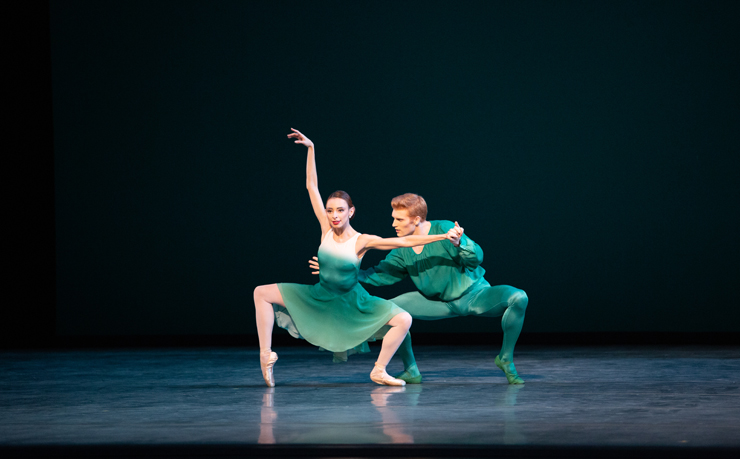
{"points": [[339, 209]]}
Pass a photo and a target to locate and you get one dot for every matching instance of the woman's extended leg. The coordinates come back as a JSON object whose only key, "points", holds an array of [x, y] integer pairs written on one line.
{"points": [[400, 324], [264, 297]]}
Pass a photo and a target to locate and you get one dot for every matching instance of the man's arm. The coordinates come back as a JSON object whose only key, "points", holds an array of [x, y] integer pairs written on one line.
{"points": [[387, 272], [467, 252]]}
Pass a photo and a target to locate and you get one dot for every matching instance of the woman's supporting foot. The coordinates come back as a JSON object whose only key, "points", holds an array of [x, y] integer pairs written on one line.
{"points": [[411, 375], [509, 370], [380, 376], [267, 360]]}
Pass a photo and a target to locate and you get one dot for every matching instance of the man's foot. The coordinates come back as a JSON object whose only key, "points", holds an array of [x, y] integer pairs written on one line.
{"points": [[267, 361], [510, 371], [380, 376], [411, 375]]}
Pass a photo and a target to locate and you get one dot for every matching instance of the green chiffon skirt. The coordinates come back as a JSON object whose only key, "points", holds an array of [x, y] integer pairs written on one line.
{"points": [[341, 322]]}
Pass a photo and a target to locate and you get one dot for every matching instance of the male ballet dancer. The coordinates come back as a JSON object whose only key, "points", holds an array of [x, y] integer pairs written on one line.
{"points": [[450, 282]]}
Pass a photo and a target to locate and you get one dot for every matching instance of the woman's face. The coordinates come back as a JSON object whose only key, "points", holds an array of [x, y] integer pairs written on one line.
{"points": [[338, 212]]}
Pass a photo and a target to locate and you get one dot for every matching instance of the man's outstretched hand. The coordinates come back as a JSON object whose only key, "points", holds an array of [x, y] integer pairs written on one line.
{"points": [[314, 264], [454, 234]]}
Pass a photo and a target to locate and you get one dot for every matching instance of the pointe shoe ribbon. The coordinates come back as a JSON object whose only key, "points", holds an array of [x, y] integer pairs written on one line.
{"points": [[380, 376], [267, 365]]}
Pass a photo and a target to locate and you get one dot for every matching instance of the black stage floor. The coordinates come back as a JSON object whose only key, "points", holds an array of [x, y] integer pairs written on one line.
{"points": [[606, 401]]}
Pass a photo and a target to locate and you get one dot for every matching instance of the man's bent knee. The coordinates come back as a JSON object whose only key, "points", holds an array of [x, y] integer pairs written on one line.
{"points": [[519, 300]]}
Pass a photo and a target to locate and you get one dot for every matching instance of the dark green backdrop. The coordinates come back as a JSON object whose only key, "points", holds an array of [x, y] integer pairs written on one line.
{"points": [[590, 148]]}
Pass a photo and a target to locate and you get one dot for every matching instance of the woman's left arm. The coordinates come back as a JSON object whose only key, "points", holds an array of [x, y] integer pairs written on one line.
{"points": [[368, 241]]}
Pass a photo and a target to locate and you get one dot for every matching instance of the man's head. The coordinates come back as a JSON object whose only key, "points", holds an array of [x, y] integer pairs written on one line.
{"points": [[409, 211]]}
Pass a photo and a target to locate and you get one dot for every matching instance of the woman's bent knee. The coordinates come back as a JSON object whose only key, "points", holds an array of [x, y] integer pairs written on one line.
{"points": [[402, 320], [259, 291], [405, 319], [265, 292]]}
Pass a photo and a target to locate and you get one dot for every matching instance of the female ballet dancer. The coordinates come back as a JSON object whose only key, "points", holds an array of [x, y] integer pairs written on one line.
{"points": [[336, 314]]}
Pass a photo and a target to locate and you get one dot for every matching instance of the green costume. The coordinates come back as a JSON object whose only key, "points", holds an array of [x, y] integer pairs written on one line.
{"points": [[336, 314], [451, 284]]}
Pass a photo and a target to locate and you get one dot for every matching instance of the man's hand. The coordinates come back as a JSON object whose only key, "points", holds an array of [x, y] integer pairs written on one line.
{"points": [[314, 264], [454, 234]]}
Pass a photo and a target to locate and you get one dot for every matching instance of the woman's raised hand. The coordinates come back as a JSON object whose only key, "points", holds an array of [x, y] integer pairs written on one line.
{"points": [[300, 138]]}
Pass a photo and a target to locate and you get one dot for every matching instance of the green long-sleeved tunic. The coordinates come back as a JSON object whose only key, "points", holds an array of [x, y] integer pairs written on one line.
{"points": [[440, 272]]}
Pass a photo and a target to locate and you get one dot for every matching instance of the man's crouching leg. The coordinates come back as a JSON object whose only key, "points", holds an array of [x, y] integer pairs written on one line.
{"points": [[511, 323], [411, 372]]}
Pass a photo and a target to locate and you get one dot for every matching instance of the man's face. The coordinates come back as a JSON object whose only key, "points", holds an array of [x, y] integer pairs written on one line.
{"points": [[403, 223]]}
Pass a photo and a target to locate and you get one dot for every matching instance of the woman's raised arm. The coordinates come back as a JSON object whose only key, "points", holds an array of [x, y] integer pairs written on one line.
{"points": [[312, 180]]}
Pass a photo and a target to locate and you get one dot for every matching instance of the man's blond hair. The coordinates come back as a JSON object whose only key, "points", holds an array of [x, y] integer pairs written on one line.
{"points": [[413, 203]]}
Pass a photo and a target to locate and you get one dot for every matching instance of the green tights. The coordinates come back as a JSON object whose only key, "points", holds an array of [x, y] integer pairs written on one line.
{"points": [[503, 301]]}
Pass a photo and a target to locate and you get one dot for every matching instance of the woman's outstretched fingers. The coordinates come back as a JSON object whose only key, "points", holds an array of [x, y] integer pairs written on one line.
{"points": [[299, 138], [459, 229]]}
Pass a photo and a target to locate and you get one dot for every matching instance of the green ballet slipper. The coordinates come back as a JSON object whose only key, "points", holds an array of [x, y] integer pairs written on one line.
{"points": [[411, 375], [510, 371]]}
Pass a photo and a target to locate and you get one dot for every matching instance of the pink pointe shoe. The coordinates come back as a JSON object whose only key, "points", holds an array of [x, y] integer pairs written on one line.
{"points": [[380, 376], [267, 360]]}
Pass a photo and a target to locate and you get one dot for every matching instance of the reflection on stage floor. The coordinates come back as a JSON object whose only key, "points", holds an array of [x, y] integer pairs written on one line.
{"points": [[574, 396]]}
